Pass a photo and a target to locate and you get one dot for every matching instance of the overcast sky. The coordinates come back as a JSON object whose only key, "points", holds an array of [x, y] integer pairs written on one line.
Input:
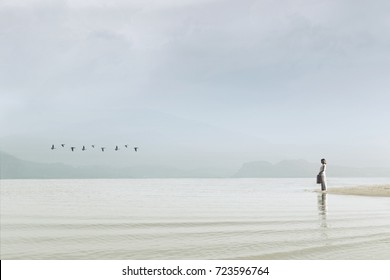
{"points": [[306, 78]]}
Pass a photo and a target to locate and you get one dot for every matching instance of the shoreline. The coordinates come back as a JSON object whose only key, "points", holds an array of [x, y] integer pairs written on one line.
{"points": [[368, 190]]}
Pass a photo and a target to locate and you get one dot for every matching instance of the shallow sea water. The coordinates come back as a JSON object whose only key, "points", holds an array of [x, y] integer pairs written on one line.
{"points": [[191, 219]]}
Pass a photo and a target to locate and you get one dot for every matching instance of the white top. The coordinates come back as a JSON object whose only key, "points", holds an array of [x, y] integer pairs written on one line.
{"points": [[323, 168]]}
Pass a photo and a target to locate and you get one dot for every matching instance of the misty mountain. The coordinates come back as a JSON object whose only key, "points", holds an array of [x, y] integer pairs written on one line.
{"points": [[14, 168], [302, 169]]}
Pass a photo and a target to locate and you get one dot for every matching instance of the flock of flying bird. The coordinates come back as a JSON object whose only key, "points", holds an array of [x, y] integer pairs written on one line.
{"points": [[93, 147]]}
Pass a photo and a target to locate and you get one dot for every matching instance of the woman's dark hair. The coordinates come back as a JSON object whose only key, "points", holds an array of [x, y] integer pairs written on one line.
{"points": [[323, 160]]}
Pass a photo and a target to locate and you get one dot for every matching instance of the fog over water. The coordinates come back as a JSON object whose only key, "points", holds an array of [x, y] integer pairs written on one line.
{"points": [[196, 84]]}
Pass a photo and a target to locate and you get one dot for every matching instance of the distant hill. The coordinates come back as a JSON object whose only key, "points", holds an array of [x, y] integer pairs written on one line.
{"points": [[14, 168], [302, 168]]}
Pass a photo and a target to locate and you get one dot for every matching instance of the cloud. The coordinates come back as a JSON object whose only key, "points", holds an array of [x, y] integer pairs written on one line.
{"points": [[267, 68]]}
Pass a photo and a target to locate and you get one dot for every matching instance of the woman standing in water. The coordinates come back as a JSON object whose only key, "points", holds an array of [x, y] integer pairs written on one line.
{"points": [[323, 174]]}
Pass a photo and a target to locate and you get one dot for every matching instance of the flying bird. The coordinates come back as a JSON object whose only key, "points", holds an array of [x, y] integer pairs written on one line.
{"points": [[126, 146], [103, 148], [63, 145], [93, 146], [52, 147], [72, 148], [136, 149]]}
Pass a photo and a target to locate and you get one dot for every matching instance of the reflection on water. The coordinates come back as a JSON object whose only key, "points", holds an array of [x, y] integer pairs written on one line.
{"points": [[322, 213], [322, 209]]}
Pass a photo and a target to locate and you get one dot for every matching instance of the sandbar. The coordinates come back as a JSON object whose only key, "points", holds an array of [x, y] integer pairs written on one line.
{"points": [[368, 190]]}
